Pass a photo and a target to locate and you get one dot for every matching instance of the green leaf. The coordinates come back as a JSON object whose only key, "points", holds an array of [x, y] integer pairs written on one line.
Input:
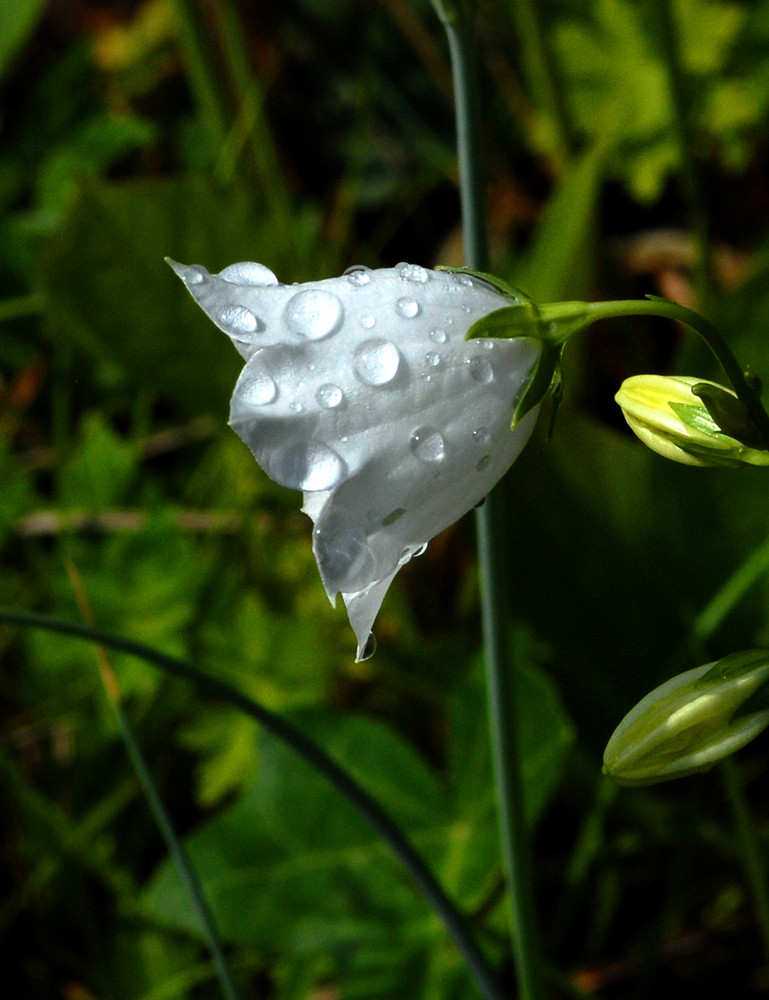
{"points": [[18, 19], [99, 471]]}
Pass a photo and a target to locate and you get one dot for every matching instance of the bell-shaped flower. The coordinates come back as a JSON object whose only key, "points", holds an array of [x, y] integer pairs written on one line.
{"points": [[363, 392], [692, 721], [691, 420]]}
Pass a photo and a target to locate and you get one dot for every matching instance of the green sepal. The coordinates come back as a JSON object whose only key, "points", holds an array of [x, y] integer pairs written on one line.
{"points": [[494, 280], [522, 320], [546, 375], [730, 415], [734, 665]]}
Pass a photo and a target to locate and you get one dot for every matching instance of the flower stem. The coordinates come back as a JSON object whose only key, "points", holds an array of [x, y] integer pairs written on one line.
{"points": [[500, 668], [562, 319], [316, 757]]}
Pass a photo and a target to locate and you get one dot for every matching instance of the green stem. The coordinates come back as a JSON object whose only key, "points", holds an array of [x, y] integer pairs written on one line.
{"points": [[542, 73], [731, 593], [186, 871], [670, 42], [500, 667], [750, 851], [316, 757], [561, 320], [202, 75]]}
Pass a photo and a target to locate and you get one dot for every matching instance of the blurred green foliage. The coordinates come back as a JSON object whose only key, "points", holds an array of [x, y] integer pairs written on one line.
{"points": [[311, 136]]}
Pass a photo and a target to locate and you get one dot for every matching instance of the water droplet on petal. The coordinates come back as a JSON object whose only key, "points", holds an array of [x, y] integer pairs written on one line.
{"points": [[408, 308], [306, 465], [481, 435], [259, 390], [329, 396], [376, 362], [238, 319], [369, 648], [413, 272], [248, 272], [480, 369], [483, 462], [343, 555], [464, 279], [428, 444], [367, 322], [393, 516], [433, 359], [358, 275], [420, 551], [314, 313], [295, 407], [194, 275], [438, 336]]}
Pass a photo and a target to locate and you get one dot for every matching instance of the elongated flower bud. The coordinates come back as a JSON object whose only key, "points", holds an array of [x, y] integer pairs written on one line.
{"points": [[692, 721], [691, 420], [362, 392]]}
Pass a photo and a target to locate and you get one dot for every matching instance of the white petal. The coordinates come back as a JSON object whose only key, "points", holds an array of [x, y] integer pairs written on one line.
{"points": [[362, 392]]}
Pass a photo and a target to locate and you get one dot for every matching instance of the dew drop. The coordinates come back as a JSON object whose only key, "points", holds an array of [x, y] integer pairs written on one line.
{"points": [[420, 551], [408, 308], [314, 314], [413, 272], [367, 322], [482, 463], [342, 551], [358, 275], [481, 435], [259, 390], [306, 465], [295, 407], [194, 275], [433, 359], [376, 362], [329, 395], [464, 279], [480, 369], [248, 272], [369, 648], [238, 319], [428, 444], [438, 336]]}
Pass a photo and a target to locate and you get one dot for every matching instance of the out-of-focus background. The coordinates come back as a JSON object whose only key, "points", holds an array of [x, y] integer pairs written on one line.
{"points": [[626, 148]]}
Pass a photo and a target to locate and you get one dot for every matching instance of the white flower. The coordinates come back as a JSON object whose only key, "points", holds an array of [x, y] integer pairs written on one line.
{"points": [[363, 392]]}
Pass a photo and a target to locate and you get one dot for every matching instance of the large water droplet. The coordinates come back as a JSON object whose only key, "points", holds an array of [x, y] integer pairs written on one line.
{"points": [[438, 336], [428, 444], [480, 369], [358, 275], [369, 648], [248, 272], [413, 272], [314, 313], [306, 465], [343, 555], [408, 308], [238, 319], [376, 361], [329, 396], [258, 390]]}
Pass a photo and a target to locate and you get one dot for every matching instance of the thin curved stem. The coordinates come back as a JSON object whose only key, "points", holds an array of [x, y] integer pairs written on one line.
{"points": [[500, 666], [316, 757]]}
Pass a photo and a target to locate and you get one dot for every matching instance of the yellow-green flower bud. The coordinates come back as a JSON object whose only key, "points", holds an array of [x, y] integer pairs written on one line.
{"points": [[691, 420], [691, 721]]}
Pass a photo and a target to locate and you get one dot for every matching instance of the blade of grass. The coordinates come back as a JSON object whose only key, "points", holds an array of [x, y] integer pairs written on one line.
{"points": [[283, 730]]}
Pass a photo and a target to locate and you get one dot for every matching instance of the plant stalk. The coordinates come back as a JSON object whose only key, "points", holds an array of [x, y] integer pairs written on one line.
{"points": [[500, 668]]}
